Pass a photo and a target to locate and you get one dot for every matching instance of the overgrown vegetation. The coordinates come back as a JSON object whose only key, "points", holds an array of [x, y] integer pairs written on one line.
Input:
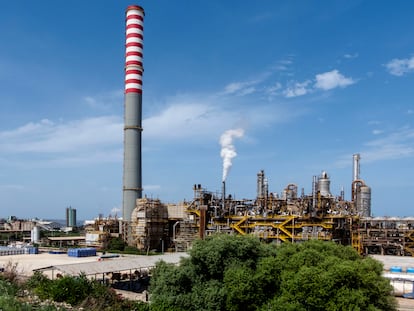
{"points": [[79, 291], [66, 293], [239, 273], [12, 290], [118, 245], [225, 272]]}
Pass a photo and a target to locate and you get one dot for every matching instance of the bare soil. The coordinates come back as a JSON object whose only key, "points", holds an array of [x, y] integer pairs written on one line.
{"points": [[405, 304]]}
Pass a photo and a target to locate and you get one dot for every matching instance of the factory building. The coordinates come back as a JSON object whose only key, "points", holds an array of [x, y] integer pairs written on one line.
{"points": [[70, 217]]}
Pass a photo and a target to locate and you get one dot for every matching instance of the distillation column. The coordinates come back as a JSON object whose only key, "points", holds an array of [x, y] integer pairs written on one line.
{"points": [[132, 179], [356, 157]]}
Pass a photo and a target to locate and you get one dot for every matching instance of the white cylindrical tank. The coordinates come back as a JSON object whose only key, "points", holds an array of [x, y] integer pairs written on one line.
{"points": [[35, 234], [324, 185], [363, 197]]}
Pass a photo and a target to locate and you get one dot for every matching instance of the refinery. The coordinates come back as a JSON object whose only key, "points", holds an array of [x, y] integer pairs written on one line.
{"points": [[290, 215], [168, 230]]}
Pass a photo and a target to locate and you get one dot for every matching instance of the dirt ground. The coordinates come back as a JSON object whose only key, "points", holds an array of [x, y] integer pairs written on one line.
{"points": [[405, 304], [132, 295]]}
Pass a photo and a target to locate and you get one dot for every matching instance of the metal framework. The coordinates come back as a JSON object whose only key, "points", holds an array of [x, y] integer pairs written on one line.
{"points": [[296, 219]]}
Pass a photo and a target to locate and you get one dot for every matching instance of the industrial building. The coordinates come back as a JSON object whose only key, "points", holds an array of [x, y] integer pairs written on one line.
{"points": [[71, 217], [286, 217]]}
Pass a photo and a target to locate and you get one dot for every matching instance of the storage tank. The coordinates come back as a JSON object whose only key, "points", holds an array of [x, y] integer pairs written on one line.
{"points": [[324, 185], [35, 235], [363, 201]]}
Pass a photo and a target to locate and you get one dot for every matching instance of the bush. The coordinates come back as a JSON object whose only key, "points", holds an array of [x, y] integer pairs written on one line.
{"points": [[81, 292], [40, 285], [10, 301], [116, 244], [72, 290], [10, 272]]}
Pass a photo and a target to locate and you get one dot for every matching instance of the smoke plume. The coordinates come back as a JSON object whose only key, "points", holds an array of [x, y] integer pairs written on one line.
{"points": [[228, 151]]}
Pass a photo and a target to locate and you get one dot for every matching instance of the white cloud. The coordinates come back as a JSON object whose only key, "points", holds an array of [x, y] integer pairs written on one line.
{"points": [[399, 67], [248, 90], [324, 81], [185, 118], [75, 143], [396, 145], [182, 120], [200, 117], [104, 101], [332, 79], [377, 132], [399, 144], [351, 56], [74, 136], [283, 65], [274, 89], [297, 89], [240, 88], [233, 87]]}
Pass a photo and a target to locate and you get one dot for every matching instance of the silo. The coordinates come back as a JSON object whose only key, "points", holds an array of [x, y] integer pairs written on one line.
{"points": [[132, 179]]}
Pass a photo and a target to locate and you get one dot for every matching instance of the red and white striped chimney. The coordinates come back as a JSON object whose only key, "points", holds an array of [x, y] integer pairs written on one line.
{"points": [[132, 187], [134, 48]]}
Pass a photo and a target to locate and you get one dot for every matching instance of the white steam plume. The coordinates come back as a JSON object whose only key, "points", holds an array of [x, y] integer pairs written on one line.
{"points": [[228, 151]]}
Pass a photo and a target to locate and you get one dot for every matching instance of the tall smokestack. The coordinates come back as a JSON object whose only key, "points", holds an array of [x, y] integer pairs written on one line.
{"points": [[356, 157], [223, 193], [132, 188]]}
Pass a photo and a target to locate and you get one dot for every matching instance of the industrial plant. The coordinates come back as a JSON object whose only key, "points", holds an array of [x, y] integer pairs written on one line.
{"points": [[119, 247], [290, 216]]}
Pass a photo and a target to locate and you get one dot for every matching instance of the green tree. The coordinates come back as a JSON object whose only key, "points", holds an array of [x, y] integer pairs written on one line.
{"points": [[318, 275], [198, 282], [232, 272], [240, 288], [116, 244]]}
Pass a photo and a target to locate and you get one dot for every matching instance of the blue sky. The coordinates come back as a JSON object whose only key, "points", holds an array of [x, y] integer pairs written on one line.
{"points": [[309, 83]]}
